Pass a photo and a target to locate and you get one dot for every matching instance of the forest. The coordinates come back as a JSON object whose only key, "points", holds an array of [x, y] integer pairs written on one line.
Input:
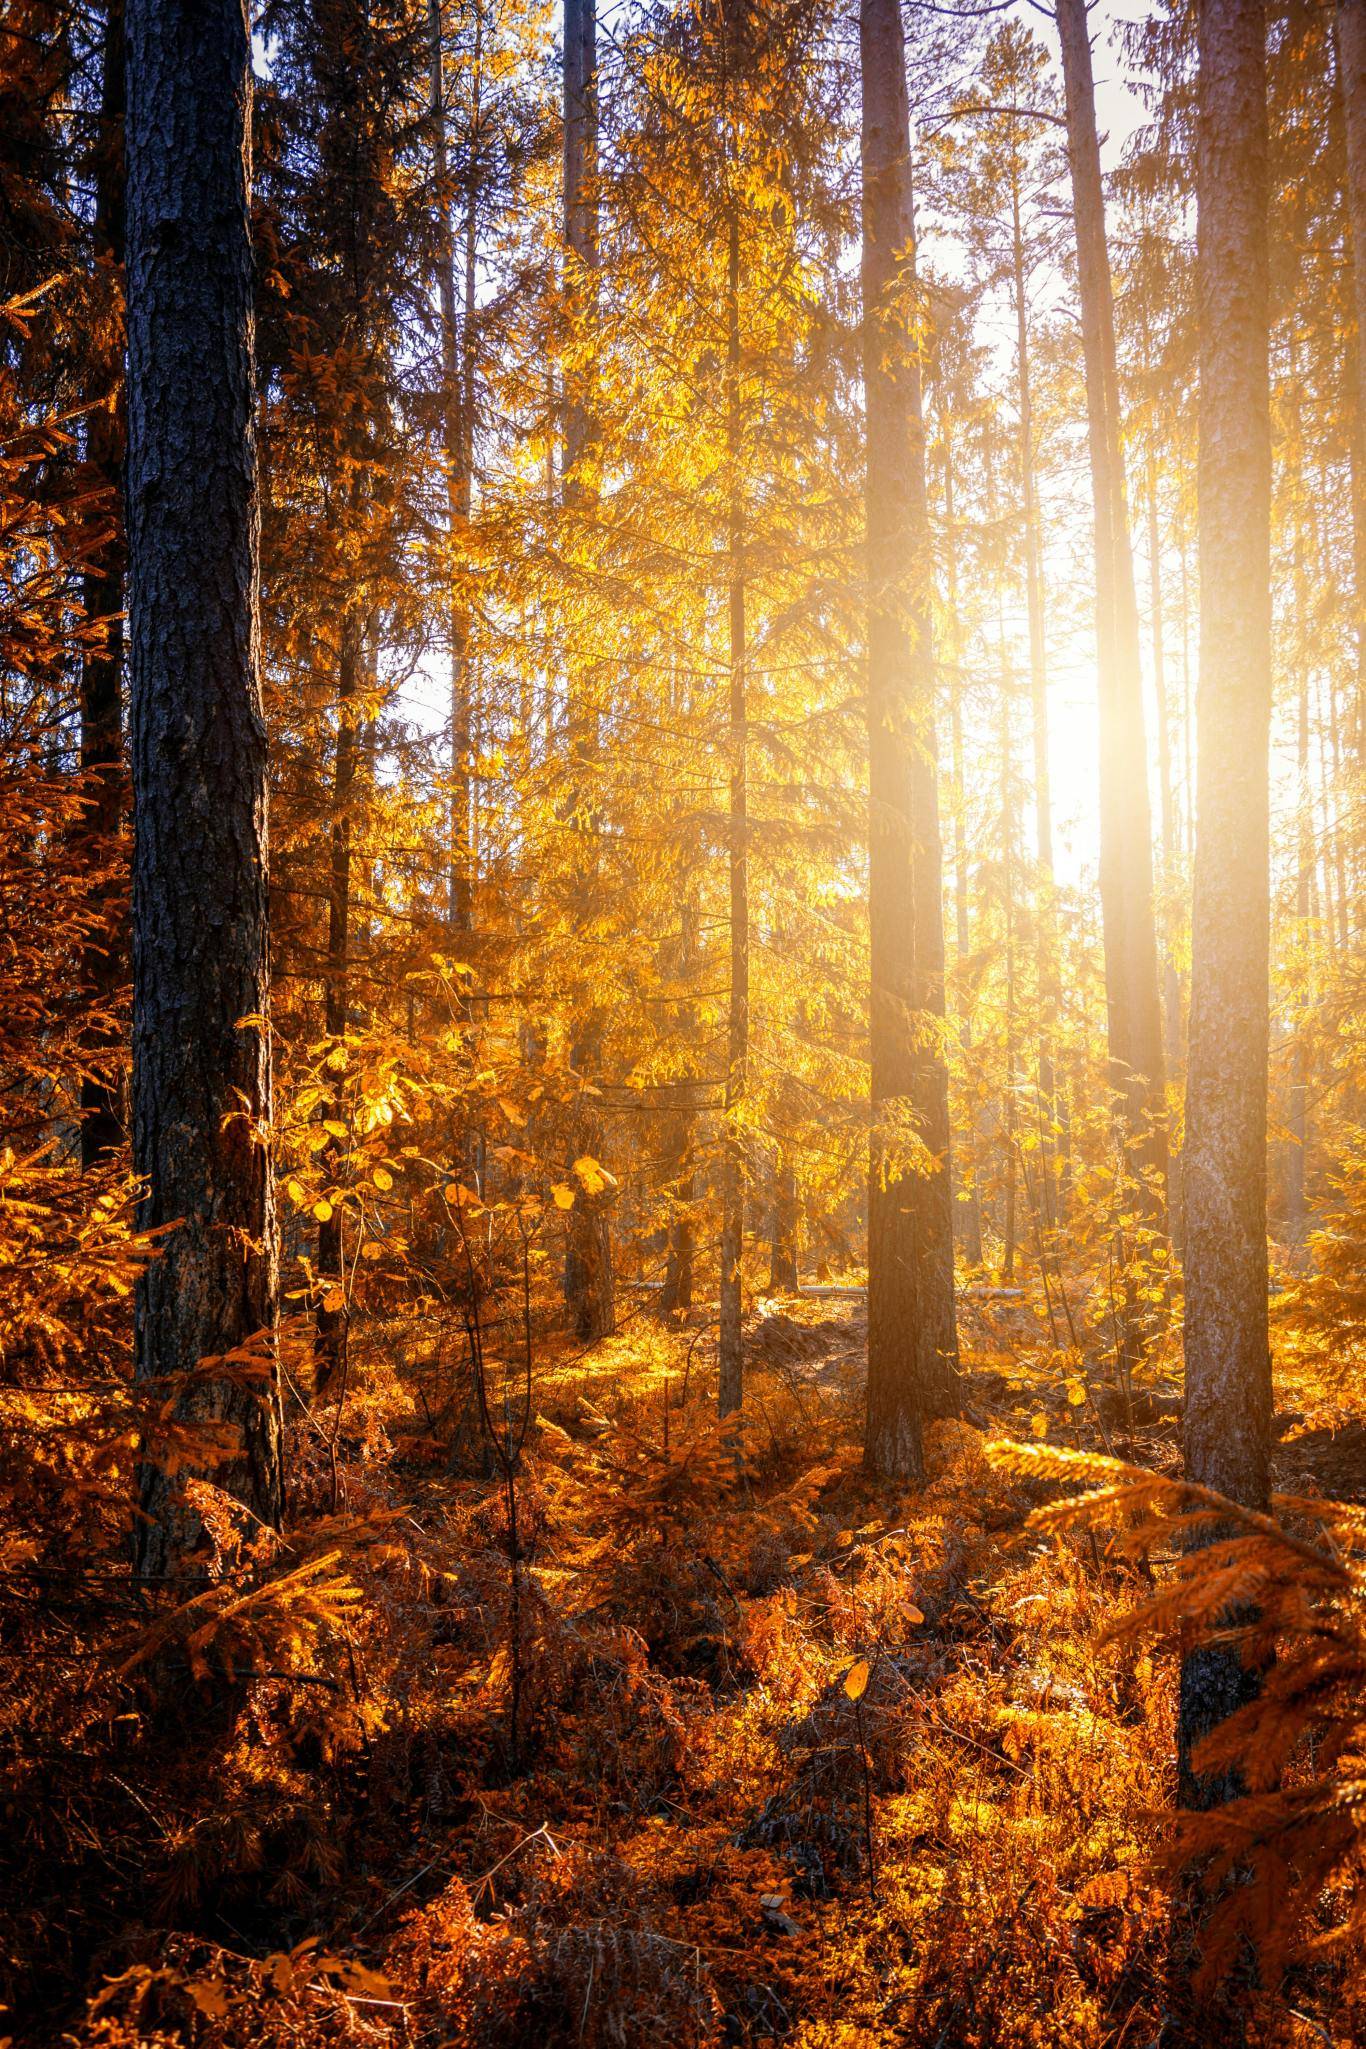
{"points": [[682, 1024]]}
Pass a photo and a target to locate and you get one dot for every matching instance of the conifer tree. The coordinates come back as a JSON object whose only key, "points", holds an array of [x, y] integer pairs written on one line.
{"points": [[201, 1044]]}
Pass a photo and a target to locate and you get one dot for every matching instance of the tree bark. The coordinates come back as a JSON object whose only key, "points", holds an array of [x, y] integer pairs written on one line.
{"points": [[201, 1048], [103, 963], [1228, 1366], [588, 1286], [1133, 1000], [333, 1318], [912, 1336]]}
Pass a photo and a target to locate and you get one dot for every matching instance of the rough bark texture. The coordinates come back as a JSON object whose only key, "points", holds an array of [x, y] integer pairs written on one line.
{"points": [[1228, 1368], [103, 964], [912, 1337], [588, 1286], [201, 1075], [1351, 59], [1132, 989]]}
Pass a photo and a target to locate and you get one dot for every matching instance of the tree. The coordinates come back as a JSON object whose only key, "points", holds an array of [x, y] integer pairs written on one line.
{"points": [[588, 1287], [1350, 26], [102, 667], [1228, 1364], [1133, 999], [912, 1336], [201, 1044]]}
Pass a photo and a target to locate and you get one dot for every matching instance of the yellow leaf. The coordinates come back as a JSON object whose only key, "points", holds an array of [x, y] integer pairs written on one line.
{"points": [[382, 1179], [333, 1128], [1076, 1394], [563, 1194], [295, 1191], [911, 1614], [856, 1680], [322, 1210], [593, 1176], [334, 1301], [1039, 1424]]}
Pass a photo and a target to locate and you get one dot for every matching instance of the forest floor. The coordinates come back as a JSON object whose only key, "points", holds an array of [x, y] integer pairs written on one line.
{"points": [[623, 1795]]}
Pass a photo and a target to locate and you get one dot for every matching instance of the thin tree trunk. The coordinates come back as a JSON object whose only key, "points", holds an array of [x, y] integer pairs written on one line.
{"points": [[588, 1284], [1046, 935], [333, 1317], [1228, 1365], [912, 1336], [457, 450], [1351, 65], [103, 957], [201, 1047], [1126, 862], [731, 1352], [969, 1201]]}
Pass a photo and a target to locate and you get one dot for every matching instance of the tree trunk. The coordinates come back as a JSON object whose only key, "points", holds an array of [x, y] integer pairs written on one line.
{"points": [[783, 1275], [333, 1316], [588, 1256], [730, 1391], [201, 1048], [1046, 939], [1228, 1366], [1351, 64], [103, 958], [912, 1337], [1133, 1000], [458, 450], [968, 1200]]}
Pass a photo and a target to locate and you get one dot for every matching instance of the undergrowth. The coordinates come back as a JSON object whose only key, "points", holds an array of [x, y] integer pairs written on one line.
{"points": [[793, 1758]]}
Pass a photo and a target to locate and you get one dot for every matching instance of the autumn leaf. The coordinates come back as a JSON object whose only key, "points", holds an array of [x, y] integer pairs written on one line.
{"points": [[563, 1194], [856, 1679]]}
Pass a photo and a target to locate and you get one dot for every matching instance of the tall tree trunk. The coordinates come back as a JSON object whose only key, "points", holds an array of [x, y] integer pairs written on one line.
{"points": [[1171, 976], [457, 450], [731, 1352], [1228, 1365], [1133, 1001], [588, 1258], [103, 959], [912, 1335], [968, 1199], [201, 1048], [1046, 946], [333, 1317], [1351, 65]]}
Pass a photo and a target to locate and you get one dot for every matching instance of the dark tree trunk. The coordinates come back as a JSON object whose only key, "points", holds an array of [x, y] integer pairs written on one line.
{"points": [[201, 1049], [912, 1337], [103, 965], [1133, 999], [333, 1316], [1228, 1366], [588, 1287]]}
